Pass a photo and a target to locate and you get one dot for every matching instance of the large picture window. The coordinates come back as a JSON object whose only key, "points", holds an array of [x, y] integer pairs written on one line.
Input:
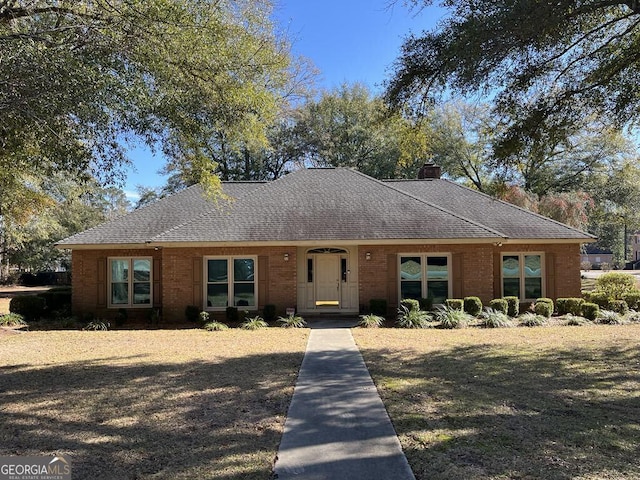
{"points": [[522, 275], [230, 282], [130, 282], [425, 276]]}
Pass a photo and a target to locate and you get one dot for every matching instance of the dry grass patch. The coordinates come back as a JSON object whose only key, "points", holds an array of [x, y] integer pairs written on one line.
{"points": [[150, 404], [554, 403]]}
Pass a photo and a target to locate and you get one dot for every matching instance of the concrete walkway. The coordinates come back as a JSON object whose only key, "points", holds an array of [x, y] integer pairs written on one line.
{"points": [[337, 427]]}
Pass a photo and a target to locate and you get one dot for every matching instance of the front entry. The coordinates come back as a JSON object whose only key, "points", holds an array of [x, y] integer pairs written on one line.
{"points": [[328, 281]]}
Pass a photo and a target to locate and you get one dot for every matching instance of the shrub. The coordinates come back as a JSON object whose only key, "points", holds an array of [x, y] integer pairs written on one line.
{"points": [[426, 304], [616, 284], [31, 307], [543, 308], [609, 317], [378, 306], [370, 321], [203, 317], [12, 320], [121, 317], [292, 321], [410, 303], [576, 321], [618, 306], [409, 318], [269, 312], [513, 306], [546, 300], [530, 319], [453, 317], [192, 313], [254, 323], [455, 303], [585, 265], [632, 299], [215, 326], [97, 325], [57, 298], [495, 319], [232, 314], [499, 304], [569, 305], [633, 317], [590, 310], [600, 298], [473, 306]]}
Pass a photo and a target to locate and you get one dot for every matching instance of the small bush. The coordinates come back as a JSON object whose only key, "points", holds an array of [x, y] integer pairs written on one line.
{"points": [[409, 318], [632, 317], [370, 321], [513, 306], [192, 313], [600, 298], [12, 320], [97, 325], [473, 306], [269, 312], [585, 265], [529, 319], [203, 317], [632, 299], [569, 305], [546, 300], [574, 321], [56, 298], [543, 308], [495, 319], [410, 303], [121, 317], [619, 306], [31, 307], [499, 304], [232, 314], [378, 306], [426, 304], [609, 317], [254, 323], [215, 326], [292, 321], [616, 284], [590, 310], [455, 303], [453, 317]]}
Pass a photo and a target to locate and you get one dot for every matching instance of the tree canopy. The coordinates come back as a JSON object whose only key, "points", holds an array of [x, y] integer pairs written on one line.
{"points": [[547, 65]]}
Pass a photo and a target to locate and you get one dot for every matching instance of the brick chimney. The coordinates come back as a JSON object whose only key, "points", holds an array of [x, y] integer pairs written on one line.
{"points": [[429, 170]]}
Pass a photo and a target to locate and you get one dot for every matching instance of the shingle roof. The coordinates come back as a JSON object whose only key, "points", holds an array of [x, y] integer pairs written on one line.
{"points": [[325, 204]]}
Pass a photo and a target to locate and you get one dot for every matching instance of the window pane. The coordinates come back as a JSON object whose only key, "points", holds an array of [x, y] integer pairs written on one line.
{"points": [[511, 266], [438, 291], [119, 293], [217, 295], [410, 268], [511, 287], [411, 290], [243, 270], [437, 268], [141, 270], [243, 295], [217, 270], [532, 287], [310, 270], [119, 270], [532, 266], [141, 293]]}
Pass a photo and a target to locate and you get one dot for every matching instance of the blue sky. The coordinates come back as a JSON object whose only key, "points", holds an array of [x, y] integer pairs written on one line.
{"points": [[348, 41]]}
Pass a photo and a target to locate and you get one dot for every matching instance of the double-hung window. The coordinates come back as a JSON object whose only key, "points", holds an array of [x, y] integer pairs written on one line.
{"points": [[130, 282], [425, 276], [230, 282], [522, 275]]}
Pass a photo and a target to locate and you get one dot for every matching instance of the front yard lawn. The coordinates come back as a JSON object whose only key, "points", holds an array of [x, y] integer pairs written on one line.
{"points": [[520, 403], [160, 404]]}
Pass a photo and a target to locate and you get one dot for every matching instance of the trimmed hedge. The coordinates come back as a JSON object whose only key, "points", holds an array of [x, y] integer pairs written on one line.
{"points": [[618, 306], [411, 303], [269, 312], [56, 298], [632, 299], [454, 303], [499, 304], [590, 311], [602, 299], [473, 306], [513, 306], [378, 306], [569, 305], [544, 309], [31, 307]]}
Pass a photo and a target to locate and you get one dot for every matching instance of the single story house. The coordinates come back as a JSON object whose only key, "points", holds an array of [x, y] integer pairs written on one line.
{"points": [[321, 240]]}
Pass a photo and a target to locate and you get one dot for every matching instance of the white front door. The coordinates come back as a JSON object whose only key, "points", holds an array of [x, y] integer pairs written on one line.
{"points": [[327, 282]]}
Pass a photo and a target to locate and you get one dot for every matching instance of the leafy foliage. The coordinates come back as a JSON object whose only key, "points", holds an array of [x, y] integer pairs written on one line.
{"points": [[12, 320], [412, 318], [254, 323], [495, 318], [529, 319], [499, 304], [590, 310], [378, 306], [473, 306], [513, 306], [569, 305], [370, 321], [616, 284], [215, 326], [31, 307], [451, 317], [454, 303], [292, 321], [97, 325], [609, 317]]}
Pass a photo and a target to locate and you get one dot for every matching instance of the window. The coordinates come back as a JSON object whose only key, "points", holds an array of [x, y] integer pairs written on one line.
{"points": [[230, 282], [424, 276], [522, 275], [130, 282]]}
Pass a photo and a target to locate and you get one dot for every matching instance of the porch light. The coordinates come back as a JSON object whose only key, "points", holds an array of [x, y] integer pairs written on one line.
{"points": [[286, 257], [367, 255]]}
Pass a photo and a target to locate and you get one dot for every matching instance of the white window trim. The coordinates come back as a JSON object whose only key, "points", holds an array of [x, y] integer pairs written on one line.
{"points": [[423, 256], [130, 284], [230, 281], [521, 256]]}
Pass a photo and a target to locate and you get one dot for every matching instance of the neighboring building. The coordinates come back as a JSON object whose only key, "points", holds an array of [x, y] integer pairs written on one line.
{"points": [[322, 240], [596, 256], [635, 253]]}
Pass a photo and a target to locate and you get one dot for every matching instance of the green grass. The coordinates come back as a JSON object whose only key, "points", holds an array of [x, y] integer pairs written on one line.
{"points": [[551, 403], [181, 404]]}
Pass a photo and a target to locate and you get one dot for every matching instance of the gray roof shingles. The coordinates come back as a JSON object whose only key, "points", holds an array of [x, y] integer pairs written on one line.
{"points": [[326, 204]]}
